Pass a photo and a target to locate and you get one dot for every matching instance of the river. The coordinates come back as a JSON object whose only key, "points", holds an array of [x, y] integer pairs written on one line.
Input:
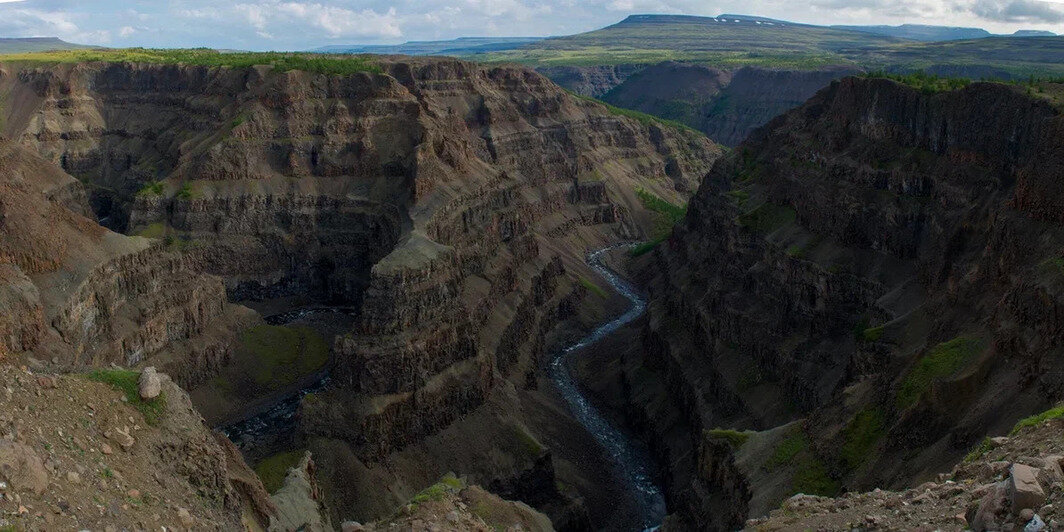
{"points": [[632, 459], [634, 465]]}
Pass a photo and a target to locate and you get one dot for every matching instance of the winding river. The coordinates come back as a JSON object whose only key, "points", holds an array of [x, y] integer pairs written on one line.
{"points": [[634, 465], [632, 459]]}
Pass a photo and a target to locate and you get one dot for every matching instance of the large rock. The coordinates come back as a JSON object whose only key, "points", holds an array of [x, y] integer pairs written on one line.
{"points": [[986, 515], [1024, 489], [150, 385], [22, 468]]}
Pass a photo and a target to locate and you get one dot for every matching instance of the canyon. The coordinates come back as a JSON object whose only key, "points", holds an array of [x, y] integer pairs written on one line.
{"points": [[448, 205], [424, 290]]}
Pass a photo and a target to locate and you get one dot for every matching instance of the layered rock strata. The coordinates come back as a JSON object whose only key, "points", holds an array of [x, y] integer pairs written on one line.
{"points": [[90, 297], [880, 263]]}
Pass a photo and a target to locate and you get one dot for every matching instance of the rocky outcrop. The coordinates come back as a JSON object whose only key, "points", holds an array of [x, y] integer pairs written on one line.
{"points": [[87, 296], [299, 501], [857, 263], [1007, 483], [61, 467], [725, 105]]}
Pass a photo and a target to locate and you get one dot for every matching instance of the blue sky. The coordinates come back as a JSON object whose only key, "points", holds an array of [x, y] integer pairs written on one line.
{"points": [[298, 25]]}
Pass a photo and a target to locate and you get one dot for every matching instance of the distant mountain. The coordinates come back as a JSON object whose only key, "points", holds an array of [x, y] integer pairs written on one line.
{"points": [[460, 46], [36, 44], [921, 32], [1033, 33]]}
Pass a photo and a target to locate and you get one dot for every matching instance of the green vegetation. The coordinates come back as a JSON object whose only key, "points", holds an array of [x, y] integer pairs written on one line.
{"points": [[740, 197], [1038, 419], [810, 475], [872, 334], [1054, 265], [529, 445], [860, 436], [152, 188], [767, 218], [448, 484], [940, 362], [128, 382], [274, 469], [673, 214], [155, 230], [282, 354], [592, 287], [281, 62], [980, 450], [925, 83], [667, 216], [642, 118], [643, 248], [734, 438], [185, 192]]}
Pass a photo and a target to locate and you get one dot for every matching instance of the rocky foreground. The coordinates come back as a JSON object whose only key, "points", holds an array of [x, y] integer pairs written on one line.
{"points": [[1008, 483]]}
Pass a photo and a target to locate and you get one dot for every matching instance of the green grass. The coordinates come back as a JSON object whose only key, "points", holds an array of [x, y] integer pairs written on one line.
{"points": [[529, 445], [667, 216], [128, 382], [273, 470], [155, 230], [940, 362], [860, 436], [734, 438], [980, 450], [767, 218], [281, 62], [152, 188], [1038, 419], [283, 354], [643, 248], [592, 287], [740, 197], [673, 213], [437, 491], [923, 82], [185, 192], [642, 118], [872, 334], [810, 475]]}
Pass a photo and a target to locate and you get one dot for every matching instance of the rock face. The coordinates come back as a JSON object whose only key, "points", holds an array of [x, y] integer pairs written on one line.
{"points": [[725, 105], [594, 81], [882, 263], [88, 296]]}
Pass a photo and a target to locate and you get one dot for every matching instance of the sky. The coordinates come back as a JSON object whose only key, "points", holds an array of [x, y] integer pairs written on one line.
{"points": [[301, 25]]}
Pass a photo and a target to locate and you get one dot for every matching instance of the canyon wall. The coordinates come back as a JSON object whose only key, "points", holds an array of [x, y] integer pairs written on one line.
{"points": [[882, 264], [725, 104], [86, 296]]}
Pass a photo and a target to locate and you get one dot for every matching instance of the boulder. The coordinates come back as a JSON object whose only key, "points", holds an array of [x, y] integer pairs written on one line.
{"points": [[986, 513], [22, 468], [150, 385], [1024, 489]]}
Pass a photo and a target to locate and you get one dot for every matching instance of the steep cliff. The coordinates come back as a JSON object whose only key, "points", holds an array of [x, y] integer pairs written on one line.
{"points": [[594, 81], [881, 263], [88, 297]]}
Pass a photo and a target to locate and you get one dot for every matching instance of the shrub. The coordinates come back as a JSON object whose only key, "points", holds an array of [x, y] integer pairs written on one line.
{"points": [[152, 188], [186, 191], [872, 334], [924, 82], [128, 382], [436, 492], [273, 470], [940, 362], [280, 61], [980, 450]]}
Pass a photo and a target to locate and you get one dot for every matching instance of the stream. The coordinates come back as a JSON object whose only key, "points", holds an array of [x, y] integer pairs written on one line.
{"points": [[634, 465], [632, 459]]}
